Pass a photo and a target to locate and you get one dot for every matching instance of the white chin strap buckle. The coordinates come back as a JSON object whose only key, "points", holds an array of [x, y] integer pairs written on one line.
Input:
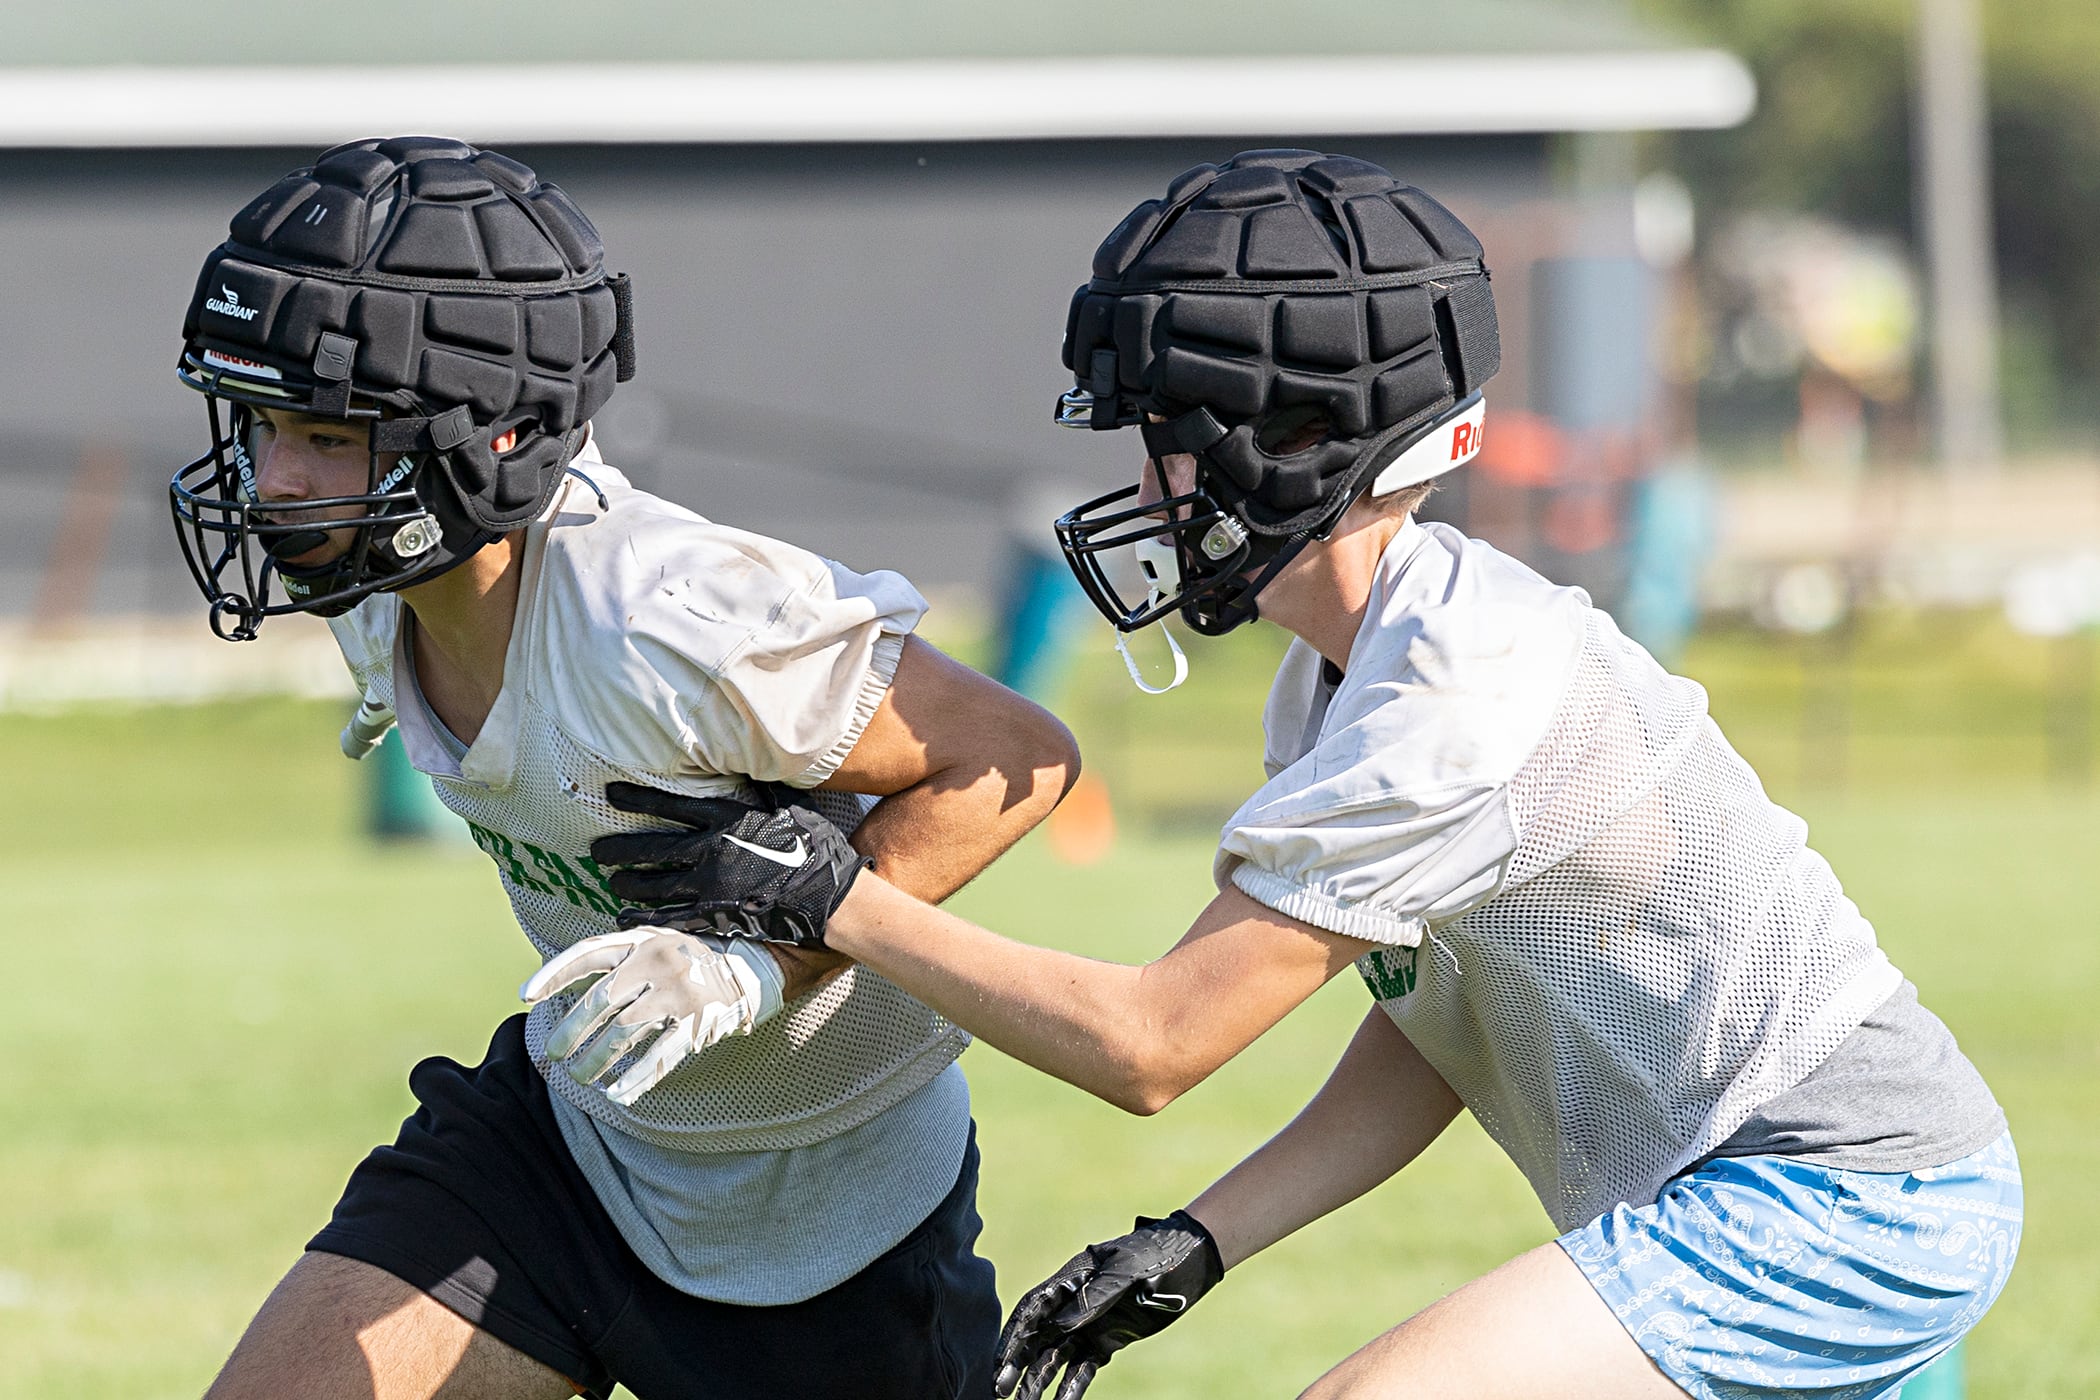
{"points": [[1162, 568]]}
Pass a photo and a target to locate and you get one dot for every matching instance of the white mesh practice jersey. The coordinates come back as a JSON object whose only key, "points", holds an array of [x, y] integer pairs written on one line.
{"points": [[1599, 929], [657, 647]]}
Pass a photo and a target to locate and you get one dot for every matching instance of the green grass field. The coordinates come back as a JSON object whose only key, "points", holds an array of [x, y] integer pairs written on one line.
{"points": [[218, 987]]}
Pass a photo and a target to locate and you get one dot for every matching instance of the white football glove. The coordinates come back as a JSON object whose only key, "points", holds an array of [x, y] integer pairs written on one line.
{"points": [[687, 990]]}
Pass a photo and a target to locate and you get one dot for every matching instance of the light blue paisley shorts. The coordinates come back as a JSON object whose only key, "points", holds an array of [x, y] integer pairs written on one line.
{"points": [[1752, 1278]]}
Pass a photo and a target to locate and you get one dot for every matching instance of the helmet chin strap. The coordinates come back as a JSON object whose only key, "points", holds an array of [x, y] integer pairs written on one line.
{"points": [[1137, 677], [1155, 557]]}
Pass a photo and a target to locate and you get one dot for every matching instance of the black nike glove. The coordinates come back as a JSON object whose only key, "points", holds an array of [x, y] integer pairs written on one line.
{"points": [[776, 870], [1103, 1300]]}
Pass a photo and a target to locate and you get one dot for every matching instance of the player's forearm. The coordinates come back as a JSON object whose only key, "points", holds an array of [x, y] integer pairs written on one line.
{"points": [[933, 838], [1095, 1025], [966, 765], [936, 836], [1138, 1037], [1382, 1105]]}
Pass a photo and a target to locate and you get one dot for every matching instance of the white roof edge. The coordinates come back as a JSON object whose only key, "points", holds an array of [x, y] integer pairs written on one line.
{"points": [[944, 100]]}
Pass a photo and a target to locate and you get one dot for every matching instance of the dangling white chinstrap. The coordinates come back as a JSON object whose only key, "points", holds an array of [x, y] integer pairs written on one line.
{"points": [[1158, 560], [1137, 677]]}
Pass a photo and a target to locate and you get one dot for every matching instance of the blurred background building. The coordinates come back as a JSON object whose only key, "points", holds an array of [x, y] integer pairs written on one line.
{"points": [[1796, 309], [853, 230]]}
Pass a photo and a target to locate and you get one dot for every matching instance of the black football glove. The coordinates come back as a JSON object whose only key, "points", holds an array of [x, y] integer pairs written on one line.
{"points": [[1103, 1300], [775, 870]]}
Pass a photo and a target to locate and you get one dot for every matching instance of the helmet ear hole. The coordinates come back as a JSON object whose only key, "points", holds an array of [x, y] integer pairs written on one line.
{"points": [[1292, 430], [504, 441]]}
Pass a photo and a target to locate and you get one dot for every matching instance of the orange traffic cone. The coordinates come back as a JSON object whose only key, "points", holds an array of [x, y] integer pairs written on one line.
{"points": [[1082, 830]]}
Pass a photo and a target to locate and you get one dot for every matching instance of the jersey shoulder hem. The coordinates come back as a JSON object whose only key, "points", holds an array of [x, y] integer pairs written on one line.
{"points": [[1309, 906], [888, 650]]}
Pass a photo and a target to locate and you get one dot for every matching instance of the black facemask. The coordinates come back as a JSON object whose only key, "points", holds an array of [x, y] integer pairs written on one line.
{"points": [[237, 546]]}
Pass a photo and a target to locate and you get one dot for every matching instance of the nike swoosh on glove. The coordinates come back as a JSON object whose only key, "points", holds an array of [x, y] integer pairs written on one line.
{"points": [[774, 870]]}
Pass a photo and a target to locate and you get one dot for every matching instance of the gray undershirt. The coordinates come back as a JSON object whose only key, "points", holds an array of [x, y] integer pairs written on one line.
{"points": [[1896, 1095], [814, 1215]]}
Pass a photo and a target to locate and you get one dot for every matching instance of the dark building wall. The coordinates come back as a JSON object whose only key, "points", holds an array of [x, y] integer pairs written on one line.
{"points": [[853, 347]]}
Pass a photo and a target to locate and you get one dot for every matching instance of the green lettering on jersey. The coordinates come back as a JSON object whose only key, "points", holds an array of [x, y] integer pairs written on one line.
{"points": [[1389, 972], [506, 857], [548, 873], [580, 892]]}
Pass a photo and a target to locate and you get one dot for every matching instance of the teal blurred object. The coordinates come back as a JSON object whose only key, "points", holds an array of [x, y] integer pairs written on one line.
{"points": [[1672, 536], [400, 804], [1042, 603], [1942, 1380]]}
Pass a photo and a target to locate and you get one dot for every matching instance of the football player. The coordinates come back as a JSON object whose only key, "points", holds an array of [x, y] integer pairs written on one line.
{"points": [[695, 1167], [1579, 915]]}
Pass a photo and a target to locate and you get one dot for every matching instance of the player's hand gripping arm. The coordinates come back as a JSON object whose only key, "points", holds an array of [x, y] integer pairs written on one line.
{"points": [[1382, 1105], [964, 768], [773, 869], [969, 767]]}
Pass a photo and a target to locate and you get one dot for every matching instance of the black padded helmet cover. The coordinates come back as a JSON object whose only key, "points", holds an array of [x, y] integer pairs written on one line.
{"points": [[1281, 280], [446, 287], [1280, 284], [439, 276]]}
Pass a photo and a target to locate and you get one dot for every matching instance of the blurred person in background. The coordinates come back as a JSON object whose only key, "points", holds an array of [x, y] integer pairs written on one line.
{"points": [[695, 1167], [1582, 920]]}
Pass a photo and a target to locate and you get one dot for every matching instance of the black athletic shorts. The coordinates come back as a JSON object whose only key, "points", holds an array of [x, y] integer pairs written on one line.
{"points": [[479, 1204]]}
